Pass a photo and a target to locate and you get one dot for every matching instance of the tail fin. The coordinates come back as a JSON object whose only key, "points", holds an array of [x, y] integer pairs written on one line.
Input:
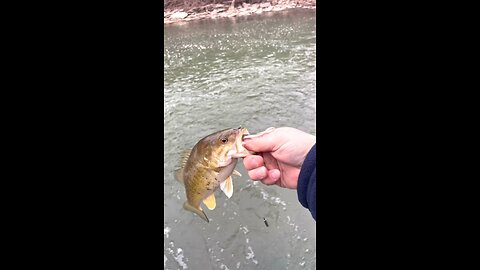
{"points": [[197, 211]]}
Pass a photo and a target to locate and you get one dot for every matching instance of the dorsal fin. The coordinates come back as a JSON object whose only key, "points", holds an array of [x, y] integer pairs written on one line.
{"points": [[179, 175], [184, 155]]}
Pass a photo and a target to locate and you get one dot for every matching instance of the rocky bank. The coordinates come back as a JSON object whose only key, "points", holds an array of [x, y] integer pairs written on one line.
{"points": [[231, 9]]}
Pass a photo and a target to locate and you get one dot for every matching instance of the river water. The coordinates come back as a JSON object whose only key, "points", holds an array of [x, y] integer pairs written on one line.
{"points": [[255, 72]]}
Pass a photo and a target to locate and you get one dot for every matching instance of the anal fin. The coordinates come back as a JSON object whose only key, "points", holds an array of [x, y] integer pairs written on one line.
{"points": [[210, 202]]}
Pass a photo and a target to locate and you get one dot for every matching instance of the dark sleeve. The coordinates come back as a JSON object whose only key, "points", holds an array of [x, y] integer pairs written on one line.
{"points": [[307, 183]]}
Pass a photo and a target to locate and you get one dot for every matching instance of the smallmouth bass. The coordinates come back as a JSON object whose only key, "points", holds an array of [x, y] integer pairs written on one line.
{"points": [[209, 165]]}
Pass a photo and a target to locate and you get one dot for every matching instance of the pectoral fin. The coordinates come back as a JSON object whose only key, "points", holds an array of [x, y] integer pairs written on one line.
{"points": [[210, 202], [227, 187], [235, 172]]}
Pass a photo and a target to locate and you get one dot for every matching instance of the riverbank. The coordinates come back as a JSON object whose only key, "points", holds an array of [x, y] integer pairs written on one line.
{"points": [[229, 9]]}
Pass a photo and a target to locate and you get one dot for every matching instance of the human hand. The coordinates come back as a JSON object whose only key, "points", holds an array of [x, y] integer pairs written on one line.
{"points": [[279, 156]]}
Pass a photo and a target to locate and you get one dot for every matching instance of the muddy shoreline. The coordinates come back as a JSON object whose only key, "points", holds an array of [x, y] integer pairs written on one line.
{"points": [[227, 10]]}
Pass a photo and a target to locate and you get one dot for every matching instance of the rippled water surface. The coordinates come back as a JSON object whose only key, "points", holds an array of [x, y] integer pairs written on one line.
{"points": [[254, 72]]}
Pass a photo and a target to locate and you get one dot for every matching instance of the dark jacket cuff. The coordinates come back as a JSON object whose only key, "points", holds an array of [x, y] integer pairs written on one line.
{"points": [[307, 183]]}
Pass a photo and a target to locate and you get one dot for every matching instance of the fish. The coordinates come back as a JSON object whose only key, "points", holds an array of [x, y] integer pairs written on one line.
{"points": [[209, 165]]}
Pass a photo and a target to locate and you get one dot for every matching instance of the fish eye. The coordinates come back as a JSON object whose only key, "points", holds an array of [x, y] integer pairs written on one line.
{"points": [[224, 140]]}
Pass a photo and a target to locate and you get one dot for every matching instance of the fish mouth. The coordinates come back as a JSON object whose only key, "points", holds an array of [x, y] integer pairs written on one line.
{"points": [[243, 132], [238, 151]]}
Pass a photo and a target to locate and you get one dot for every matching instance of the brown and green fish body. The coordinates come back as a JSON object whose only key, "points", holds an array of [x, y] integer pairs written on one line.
{"points": [[210, 165]]}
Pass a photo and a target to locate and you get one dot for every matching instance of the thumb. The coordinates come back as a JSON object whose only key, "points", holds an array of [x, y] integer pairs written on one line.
{"points": [[266, 143]]}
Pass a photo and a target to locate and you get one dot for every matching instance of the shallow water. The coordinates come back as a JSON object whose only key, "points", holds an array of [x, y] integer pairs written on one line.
{"points": [[255, 72]]}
